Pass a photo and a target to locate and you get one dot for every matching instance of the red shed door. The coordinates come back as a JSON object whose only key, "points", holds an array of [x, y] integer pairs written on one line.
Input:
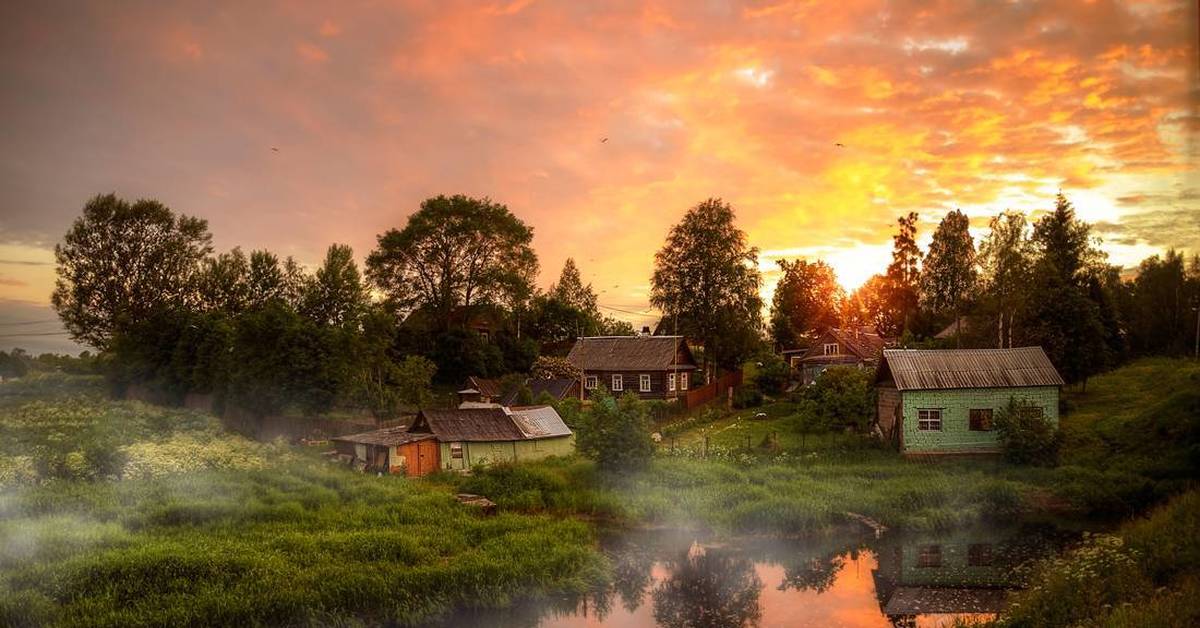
{"points": [[427, 456]]}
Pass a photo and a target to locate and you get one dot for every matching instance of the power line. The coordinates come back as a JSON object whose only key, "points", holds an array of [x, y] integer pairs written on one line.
{"points": [[46, 333]]}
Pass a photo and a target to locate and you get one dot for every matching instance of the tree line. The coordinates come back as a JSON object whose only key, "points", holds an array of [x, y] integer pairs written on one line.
{"points": [[144, 286], [1047, 284]]}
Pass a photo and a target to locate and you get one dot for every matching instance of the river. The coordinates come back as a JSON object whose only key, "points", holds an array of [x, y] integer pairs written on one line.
{"points": [[677, 579]]}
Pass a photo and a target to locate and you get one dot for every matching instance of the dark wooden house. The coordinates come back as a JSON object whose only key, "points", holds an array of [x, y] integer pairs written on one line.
{"points": [[859, 348], [653, 367]]}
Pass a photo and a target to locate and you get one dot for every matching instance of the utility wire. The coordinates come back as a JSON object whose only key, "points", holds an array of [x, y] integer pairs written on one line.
{"points": [[8, 324], [46, 333]]}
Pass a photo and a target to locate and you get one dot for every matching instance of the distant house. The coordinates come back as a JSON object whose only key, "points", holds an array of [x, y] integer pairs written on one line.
{"points": [[458, 439], [653, 367], [860, 348], [492, 391], [943, 401]]}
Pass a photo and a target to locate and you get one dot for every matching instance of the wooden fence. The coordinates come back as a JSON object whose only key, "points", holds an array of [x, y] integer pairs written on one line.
{"points": [[716, 389]]}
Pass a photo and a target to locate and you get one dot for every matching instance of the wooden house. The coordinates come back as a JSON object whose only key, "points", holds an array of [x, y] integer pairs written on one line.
{"points": [[480, 390], [653, 367], [943, 401], [859, 348], [458, 439]]}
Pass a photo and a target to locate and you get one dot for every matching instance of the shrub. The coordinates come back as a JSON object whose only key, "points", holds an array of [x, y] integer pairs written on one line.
{"points": [[747, 397], [773, 374], [616, 434], [1026, 435], [844, 396]]}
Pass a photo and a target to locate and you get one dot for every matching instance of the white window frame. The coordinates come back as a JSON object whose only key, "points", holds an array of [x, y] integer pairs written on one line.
{"points": [[827, 346], [591, 382], [618, 382], [643, 383], [671, 381], [927, 418], [683, 381]]}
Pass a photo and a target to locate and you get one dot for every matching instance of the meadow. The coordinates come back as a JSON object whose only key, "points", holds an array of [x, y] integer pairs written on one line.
{"points": [[120, 513], [205, 527]]}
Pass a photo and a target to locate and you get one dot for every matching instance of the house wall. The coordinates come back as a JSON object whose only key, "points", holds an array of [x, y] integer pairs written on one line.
{"points": [[491, 452], [658, 383], [955, 405], [887, 401]]}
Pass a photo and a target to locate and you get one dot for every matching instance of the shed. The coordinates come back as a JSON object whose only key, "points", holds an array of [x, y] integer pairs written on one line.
{"points": [[943, 401]]}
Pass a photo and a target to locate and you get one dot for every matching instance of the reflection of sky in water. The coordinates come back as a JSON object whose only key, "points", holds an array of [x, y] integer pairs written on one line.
{"points": [[667, 579]]}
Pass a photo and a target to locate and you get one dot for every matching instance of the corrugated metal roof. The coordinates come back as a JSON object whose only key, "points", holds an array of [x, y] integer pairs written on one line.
{"points": [[539, 422], [928, 369], [626, 353], [387, 437]]}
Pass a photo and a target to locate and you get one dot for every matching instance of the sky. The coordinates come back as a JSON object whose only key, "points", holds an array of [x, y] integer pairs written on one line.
{"points": [[293, 125]]}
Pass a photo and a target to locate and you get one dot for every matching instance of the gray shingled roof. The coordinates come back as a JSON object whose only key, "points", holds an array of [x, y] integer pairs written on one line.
{"points": [[928, 369], [626, 353], [387, 437], [471, 424]]}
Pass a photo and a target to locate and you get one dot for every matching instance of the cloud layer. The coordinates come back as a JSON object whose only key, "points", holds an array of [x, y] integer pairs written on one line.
{"points": [[820, 122]]}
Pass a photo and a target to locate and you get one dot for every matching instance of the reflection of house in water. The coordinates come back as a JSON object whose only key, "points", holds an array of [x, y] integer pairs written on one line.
{"points": [[957, 574]]}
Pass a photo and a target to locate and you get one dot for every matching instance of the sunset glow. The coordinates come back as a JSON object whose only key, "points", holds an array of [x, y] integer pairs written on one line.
{"points": [[293, 125]]}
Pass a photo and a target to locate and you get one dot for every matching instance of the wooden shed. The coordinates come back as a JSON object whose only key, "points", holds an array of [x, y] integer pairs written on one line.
{"points": [[942, 401], [391, 450]]}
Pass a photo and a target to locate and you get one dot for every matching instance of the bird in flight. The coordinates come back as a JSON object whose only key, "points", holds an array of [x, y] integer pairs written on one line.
{"points": [[604, 140], [839, 144], [274, 149]]}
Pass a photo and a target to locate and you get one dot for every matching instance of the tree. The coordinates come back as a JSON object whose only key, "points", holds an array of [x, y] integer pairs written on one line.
{"points": [[281, 358], [224, 282], [871, 301], [772, 374], [1006, 257], [610, 326], [120, 261], [571, 290], [1063, 319], [335, 295], [554, 319], [414, 375], [901, 280], [707, 276], [268, 281], [1161, 318], [808, 299], [948, 277], [454, 251], [547, 367], [616, 434]]}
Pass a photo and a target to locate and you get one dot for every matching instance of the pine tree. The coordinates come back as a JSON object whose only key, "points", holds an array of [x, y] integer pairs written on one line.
{"points": [[949, 276], [902, 277]]}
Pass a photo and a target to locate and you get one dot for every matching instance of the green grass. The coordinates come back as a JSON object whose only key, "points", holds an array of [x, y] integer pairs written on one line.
{"points": [[208, 528], [1146, 574]]}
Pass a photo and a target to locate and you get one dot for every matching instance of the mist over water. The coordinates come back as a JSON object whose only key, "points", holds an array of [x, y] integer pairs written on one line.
{"points": [[676, 579]]}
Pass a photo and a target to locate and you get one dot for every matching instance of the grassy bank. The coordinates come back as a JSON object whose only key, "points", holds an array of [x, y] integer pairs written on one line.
{"points": [[208, 528], [1147, 574]]}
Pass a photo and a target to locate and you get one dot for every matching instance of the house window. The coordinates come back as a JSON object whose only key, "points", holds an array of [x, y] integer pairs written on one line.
{"points": [[487, 336], [831, 348], [683, 381], [618, 383], [979, 554], [929, 420], [670, 381], [591, 382], [456, 451], [981, 420], [795, 361], [644, 383], [1031, 412], [929, 556]]}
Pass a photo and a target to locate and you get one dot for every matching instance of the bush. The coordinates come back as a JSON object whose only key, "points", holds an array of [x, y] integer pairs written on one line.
{"points": [[747, 397], [773, 374], [1026, 435], [616, 434], [844, 396]]}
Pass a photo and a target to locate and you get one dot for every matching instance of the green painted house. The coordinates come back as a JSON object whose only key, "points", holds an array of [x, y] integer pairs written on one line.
{"points": [[943, 401]]}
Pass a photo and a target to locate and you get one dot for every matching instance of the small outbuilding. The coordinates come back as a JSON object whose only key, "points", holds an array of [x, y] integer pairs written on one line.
{"points": [[943, 401], [460, 438]]}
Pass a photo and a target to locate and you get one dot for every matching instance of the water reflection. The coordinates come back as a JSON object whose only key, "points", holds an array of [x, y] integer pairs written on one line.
{"points": [[675, 580]]}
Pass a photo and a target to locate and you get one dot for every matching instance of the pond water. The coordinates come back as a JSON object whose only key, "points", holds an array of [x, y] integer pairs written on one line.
{"points": [[676, 579]]}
